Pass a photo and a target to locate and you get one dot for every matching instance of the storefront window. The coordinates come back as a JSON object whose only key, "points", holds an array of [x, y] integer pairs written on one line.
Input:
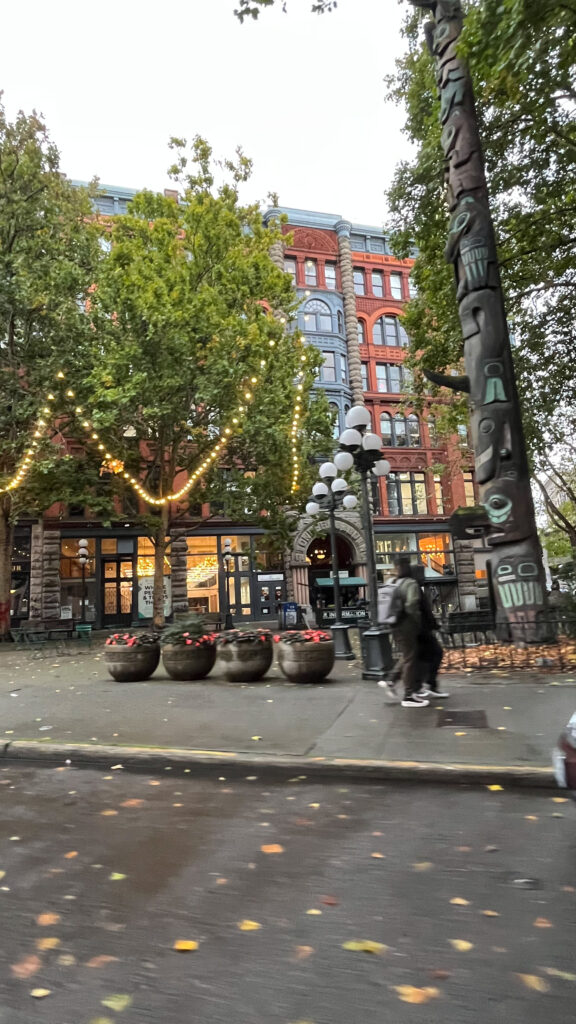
{"points": [[145, 564], [70, 567], [436, 554], [388, 547], [20, 583], [202, 569], [431, 550]]}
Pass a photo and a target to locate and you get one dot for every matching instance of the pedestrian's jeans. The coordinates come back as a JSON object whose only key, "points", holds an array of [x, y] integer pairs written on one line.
{"points": [[407, 639]]}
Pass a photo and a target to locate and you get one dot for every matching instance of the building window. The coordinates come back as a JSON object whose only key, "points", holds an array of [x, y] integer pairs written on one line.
{"points": [[433, 551], [386, 430], [432, 432], [400, 432], [290, 268], [412, 289], [469, 489], [390, 378], [340, 322], [378, 283], [396, 286], [413, 425], [361, 332], [330, 274], [359, 284], [335, 412], [462, 435], [364, 372], [407, 494], [328, 369], [376, 502], [343, 370], [439, 495], [389, 331], [311, 272], [317, 317]]}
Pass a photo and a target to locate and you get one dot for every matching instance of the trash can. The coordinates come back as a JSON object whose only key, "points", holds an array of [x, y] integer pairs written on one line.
{"points": [[289, 615]]}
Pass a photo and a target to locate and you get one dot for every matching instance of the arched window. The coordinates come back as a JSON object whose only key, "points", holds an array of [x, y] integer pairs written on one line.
{"points": [[413, 424], [317, 317], [432, 432], [335, 412], [400, 431], [386, 430], [389, 331], [361, 332], [340, 323]]}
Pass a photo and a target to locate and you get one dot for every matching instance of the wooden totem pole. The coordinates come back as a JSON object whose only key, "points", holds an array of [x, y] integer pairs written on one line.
{"points": [[501, 463]]}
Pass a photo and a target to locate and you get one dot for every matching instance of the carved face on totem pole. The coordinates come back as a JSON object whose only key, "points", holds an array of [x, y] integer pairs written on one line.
{"points": [[517, 583], [471, 247]]}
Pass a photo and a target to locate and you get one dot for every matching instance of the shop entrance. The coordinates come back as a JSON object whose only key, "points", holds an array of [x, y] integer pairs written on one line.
{"points": [[118, 591], [319, 558]]}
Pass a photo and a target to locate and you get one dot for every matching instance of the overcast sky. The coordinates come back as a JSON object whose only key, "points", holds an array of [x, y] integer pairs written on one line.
{"points": [[302, 94]]}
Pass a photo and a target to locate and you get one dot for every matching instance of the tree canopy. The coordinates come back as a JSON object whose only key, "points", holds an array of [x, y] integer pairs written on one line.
{"points": [[253, 8]]}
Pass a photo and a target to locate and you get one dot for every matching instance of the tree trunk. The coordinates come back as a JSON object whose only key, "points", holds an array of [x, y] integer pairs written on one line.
{"points": [[159, 556], [6, 536]]}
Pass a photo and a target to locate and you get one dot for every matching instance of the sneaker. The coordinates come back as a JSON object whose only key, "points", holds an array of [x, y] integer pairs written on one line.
{"points": [[425, 692], [414, 701], [387, 684]]}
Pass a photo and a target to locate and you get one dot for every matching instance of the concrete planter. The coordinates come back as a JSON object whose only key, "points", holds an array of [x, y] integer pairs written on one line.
{"points": [[306, 662], [131, 664], [245, 662], [188, 662]]}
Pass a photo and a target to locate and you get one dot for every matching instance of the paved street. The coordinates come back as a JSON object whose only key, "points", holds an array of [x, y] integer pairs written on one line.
{"points": [[103, 872]]}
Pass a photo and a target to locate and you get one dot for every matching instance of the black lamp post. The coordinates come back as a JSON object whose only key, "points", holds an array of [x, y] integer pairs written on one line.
{"points": [[227, 559], [328, 495], [362, 449], [83, 556]]}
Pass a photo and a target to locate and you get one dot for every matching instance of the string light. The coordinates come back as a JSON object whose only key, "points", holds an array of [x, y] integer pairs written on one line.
{"points": [[295, 486]]}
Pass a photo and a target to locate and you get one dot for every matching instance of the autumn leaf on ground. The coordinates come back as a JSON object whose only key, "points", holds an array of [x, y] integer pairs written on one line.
{"points": [[117, 1002], [559, 799], [461, 945], [329, 901], [495, 789], [71, 855], [133, 803], [378, 856], [116, 876], [303, 952], [272, 848], [531, 817], [26, 967], [101, 961], [248, 926], [424, 865], [2, 875], [533, 982], [185, 945], [563, 975], [66, 960], [45, 919], [543, 922], [40, 993], [109, 813], [459, 902], [490, 913], [50, 943], [410, 994], [365, 946], [101, 1020]]}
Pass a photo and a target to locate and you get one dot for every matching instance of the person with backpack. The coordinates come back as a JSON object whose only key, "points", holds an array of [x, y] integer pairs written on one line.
{"points": [[429, 657], [400, 607]]}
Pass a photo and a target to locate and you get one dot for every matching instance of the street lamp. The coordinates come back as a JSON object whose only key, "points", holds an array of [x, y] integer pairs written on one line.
{"points": [[361, 448], [227, 559], [329, 494], [83, 556]]}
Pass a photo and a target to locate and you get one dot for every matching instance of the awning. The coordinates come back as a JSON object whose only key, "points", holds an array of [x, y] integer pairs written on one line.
{"points": [[345, 581]]}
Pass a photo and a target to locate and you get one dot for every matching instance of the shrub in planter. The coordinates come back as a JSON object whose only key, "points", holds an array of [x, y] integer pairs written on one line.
{"points": [[187, 651], [244, 656], [131, 657], [305, 656]]}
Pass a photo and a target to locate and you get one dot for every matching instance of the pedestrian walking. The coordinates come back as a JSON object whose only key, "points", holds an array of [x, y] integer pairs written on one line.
{"points": [[400, 607]]}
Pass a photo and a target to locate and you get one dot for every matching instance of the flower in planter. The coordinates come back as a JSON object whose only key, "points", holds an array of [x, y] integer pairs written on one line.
{"points": [[302, 636], [190, 633], [131, 639], [244, 636]]}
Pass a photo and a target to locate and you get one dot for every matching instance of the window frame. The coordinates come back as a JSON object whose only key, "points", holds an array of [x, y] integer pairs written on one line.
{"points": [[313, 273], [291, 264], [361, 329], [329, 357], [322, 310], [330, 266], [360, 273], [404, 484], [379, 276], [395, 280]]}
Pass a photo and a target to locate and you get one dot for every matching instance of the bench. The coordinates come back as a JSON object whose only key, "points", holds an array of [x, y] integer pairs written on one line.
{"points": [[213, 620]]}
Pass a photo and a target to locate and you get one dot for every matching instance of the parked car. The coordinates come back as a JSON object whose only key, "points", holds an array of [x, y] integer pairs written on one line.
{"points": [[564, 758]]}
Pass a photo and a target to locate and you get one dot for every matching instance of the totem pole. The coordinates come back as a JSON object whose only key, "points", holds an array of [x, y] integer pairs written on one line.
{"points": [[501, 463]]}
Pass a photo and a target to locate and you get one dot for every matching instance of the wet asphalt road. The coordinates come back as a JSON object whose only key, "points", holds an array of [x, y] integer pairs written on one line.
{"points": [[102, 872]]}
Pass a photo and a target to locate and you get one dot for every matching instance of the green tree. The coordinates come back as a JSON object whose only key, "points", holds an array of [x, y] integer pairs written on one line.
{"points": [[190, 315], [252, 8], [48, 254]]}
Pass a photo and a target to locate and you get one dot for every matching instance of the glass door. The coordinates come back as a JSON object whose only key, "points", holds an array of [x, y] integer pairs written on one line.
{"points": [[118, 591], [240, 602]]}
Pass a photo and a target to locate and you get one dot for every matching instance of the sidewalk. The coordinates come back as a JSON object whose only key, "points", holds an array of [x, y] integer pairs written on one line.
{"points": [[57, 702]]}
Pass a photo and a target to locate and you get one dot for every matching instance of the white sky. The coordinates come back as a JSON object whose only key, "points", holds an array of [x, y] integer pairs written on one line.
{"points": [[303, 94]]}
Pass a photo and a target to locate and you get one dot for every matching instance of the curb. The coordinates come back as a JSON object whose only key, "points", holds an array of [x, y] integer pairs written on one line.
{"points": [[280, 765]]}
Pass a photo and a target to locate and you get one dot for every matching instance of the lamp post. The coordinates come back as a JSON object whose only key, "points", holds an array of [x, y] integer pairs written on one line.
{"points": [[361, 448], [227, 561], [328, 495], [83, 556]]}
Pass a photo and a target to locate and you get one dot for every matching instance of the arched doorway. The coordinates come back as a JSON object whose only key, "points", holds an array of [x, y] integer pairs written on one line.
{"points": [[319, 560]]}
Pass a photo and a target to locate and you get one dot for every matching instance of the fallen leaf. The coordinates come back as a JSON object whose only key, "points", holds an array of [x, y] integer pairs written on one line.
{"points": [[116, 876], [185, 945], [464, 849], [495, 789], [101, 961], [459, 902], [543, 922], [490, 913], [101, 1020], [378, 856], [117, 1002], [303, 952], [221, 881], [559, 799], [410, 994], [314, 913], [51, 943], [45, 919], [491, 849], [26, 967], [563, 975], [423, 865], [2, 875], [272, 848], [461, 945], [313, 805], [256, 737], [533, 982], [115, 767], [365, 946], [40, 993], [109, 813], [71, 855], [568, 888], [66, 960], [440, 975], [154, 782], [531, 817], [248, 926], [329, 901], [456, 734], [133, 803]]}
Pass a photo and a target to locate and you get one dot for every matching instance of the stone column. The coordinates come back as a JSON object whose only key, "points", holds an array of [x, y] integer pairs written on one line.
{"points": [[36, 571], [343, 229], [51, 575], [178, 565], [466, 574], [288, 575]]}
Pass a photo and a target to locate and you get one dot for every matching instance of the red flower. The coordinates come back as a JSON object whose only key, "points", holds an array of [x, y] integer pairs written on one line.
{"points": [[188, 641]]}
